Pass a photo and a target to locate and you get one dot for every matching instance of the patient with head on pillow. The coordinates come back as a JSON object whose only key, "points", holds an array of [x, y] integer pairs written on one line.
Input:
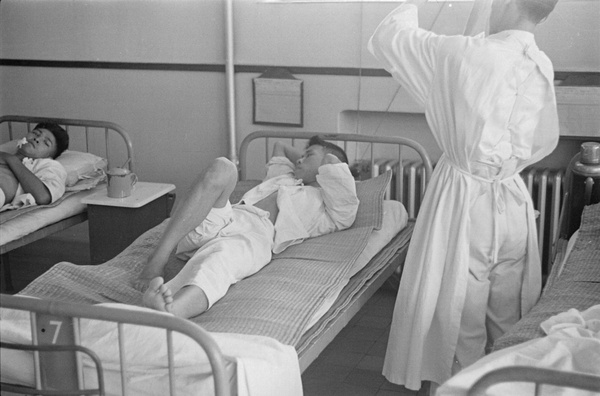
{"points": [[29, 168], [306, 193]]}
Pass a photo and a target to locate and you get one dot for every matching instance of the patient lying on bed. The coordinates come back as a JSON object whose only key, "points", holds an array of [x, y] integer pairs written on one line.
{"points": [[304, 195], [30, 172]]}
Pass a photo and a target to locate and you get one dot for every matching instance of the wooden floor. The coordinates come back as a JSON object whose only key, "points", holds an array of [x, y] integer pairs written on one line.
{"points": [[350, 365]]}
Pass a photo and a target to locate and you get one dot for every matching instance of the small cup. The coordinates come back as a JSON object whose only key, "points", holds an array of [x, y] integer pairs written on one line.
{"points": [[120, 182]]}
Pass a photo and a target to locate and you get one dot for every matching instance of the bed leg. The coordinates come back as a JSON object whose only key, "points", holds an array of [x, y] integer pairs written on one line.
{"points": [[7, 285]]}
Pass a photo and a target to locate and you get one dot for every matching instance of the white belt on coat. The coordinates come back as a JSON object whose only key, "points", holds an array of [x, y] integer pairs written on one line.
{"points": [[498, 200]]}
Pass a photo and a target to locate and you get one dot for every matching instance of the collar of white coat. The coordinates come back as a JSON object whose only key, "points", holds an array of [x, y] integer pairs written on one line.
{"points": [[521, 36], [525, 41]]}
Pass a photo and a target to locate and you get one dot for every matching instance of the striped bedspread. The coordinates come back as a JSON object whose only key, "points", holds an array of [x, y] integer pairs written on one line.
{"points": [[276, 302], [578, 285]]}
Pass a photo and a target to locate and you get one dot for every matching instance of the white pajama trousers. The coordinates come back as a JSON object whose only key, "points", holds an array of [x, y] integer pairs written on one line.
{"points": [[231, 244], [493, 299]]}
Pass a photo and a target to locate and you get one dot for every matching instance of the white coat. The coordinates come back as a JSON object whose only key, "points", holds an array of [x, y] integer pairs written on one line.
{"points": [[491, 106]]}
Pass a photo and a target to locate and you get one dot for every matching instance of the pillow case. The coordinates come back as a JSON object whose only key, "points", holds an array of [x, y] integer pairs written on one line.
{"points": [[80, 165], [371, 192]]}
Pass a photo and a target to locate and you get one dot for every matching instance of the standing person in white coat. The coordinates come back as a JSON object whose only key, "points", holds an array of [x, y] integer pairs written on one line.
{"points": [[473, 266]]}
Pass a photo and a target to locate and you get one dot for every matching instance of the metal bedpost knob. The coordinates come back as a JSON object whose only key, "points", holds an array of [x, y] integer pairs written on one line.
{"points": [[590, 153]]}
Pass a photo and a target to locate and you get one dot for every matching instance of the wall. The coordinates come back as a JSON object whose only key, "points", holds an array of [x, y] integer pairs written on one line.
{"points": [[156, 67], [143, 64]]}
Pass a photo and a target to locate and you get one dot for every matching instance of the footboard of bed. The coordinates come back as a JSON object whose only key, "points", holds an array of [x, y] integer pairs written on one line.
{"points": [[55, 329]]}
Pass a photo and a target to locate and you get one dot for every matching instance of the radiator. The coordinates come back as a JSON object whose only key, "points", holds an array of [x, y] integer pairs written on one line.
{"points": [[408, 189], [546, 188], [544, 184]]}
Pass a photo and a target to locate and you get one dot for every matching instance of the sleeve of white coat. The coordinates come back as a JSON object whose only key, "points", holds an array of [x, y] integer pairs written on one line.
{"points": [[406, 51], [338, 189]]}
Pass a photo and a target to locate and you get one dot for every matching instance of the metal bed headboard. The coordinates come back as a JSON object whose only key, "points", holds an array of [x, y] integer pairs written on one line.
{"points": [[64, 337], [410, 177], [89, 127], [338, 137]]}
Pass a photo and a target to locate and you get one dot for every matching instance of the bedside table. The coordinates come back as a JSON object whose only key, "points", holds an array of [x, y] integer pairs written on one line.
{"points": [[116, 222]]}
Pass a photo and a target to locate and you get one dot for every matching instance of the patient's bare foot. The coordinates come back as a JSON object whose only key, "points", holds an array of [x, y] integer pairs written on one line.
{"points": [[158, 296]]}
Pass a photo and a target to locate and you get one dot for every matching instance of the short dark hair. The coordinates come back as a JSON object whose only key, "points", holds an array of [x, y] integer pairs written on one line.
{"points": [[329, 147], [537, 10], [61, 136]]}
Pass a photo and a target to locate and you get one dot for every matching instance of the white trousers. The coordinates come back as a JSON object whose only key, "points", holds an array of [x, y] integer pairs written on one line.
{"points": [[231, 244], [493, 300]]}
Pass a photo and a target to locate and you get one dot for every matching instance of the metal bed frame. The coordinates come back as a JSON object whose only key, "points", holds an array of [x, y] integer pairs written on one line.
{"points": [[103, 131], [310, 350], [89, 127], [55, 379], [69, 313]]}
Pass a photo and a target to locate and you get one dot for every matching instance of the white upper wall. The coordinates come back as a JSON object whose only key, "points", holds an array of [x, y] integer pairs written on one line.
{"points": [[266, 33], [178, 119], [167, 31]]}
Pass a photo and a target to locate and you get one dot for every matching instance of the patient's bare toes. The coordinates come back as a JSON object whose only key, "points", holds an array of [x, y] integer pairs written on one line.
{"points": [[158, 296]]}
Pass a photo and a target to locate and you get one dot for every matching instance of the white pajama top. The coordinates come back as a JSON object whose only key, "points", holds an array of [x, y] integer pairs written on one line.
{"points": [[49, 171], [490, 104], [307, 211]]}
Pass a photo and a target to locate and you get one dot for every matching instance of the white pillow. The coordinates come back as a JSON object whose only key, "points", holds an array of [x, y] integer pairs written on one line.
{"points": [[79, 165]]}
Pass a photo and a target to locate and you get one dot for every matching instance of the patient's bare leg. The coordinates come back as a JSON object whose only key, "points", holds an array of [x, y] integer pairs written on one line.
{"points": [[188, 302], [211, 189]]}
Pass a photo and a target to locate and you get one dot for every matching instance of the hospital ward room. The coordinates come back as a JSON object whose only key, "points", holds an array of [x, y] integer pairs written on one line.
{"points": [[300, 197]]}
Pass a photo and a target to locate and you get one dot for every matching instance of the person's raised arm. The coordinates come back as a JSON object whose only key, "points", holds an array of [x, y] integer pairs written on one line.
{"points": [[338, 191], [406, 51], [31, 183], [281, 149]]}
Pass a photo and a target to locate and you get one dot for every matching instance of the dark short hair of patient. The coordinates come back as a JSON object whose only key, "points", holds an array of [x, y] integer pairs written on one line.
{"points": [[329, 147]]}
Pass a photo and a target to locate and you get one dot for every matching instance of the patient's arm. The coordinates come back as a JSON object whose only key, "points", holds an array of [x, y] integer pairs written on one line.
{"points": [[8, 183], [281, 149], [31, 183]]}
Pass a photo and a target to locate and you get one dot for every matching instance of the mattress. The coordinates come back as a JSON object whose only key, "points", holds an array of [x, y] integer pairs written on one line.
{"points": [[277, 301], [395, 219], [33, 220]]}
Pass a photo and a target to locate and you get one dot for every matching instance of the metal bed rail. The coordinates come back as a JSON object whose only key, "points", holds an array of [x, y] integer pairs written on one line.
{"points": [[58, 336], [89, 126], [346, 138]]}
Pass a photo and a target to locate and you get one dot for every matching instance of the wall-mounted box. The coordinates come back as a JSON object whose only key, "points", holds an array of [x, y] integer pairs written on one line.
{"points": [[579, 110], [278, 99]]}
